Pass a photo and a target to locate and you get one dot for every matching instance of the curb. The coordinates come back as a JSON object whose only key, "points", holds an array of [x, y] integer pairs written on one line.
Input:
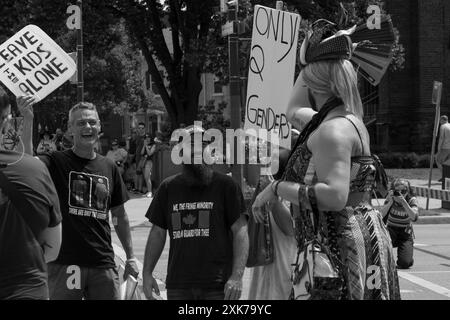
{"points": [[433, 220]]}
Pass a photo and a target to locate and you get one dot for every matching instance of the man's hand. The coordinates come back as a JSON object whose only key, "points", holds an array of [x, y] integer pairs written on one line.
{"points": [[233, 288], [149, 284], [25, 106], [131, 268]]}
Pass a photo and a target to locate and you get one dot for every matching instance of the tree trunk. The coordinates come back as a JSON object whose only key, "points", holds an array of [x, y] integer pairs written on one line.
{"points": [[193, 89]]}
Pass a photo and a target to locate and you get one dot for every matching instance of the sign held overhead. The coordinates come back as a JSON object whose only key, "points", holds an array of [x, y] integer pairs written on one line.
{"points": [[271, 71], [31, 63]]}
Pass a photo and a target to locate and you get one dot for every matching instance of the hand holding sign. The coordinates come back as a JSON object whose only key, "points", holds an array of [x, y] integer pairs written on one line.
{"points": [[25, 106], [271, 71], [31, 63]]}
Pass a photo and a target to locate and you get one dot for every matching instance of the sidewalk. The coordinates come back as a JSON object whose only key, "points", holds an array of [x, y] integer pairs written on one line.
{"points": [[136, 209], [435, 213]]}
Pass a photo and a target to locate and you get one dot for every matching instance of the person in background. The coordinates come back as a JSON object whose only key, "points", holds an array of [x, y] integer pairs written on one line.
{"points": [[147, 152], [273, 281], [130, 170], [46, 144], [58, 139], [443, 150], [30, 219], [118, 155], [139, 178], [399, 211]]}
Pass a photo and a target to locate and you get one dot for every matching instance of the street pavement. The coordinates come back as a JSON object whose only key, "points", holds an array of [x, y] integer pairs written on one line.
{"points": [[428, 279]]}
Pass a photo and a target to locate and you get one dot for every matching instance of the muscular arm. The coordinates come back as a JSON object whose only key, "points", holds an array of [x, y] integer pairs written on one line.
{"points": [[122, 227], [332, 150]]}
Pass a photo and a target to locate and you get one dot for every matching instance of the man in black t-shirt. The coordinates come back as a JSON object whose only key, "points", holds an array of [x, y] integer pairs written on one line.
{"points": [[30, 229], [89, 186], [204, 213]]}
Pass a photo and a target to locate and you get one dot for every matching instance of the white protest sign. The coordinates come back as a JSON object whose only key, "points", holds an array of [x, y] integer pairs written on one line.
{"points": [[31, 63], [271, 71]]}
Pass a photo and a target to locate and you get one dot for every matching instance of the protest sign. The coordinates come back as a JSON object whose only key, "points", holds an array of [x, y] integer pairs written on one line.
{"points": [[271, 71], [31, 63]]}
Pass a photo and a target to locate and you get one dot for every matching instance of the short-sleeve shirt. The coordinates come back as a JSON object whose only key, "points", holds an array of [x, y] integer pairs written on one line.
{"points": [[87, 190], [22, 263], [139, 146], [199, 221], [397, 215]]}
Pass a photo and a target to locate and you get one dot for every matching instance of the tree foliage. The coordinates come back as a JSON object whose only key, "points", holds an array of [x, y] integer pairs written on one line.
{"points": [[112, 63], [180, 37]]}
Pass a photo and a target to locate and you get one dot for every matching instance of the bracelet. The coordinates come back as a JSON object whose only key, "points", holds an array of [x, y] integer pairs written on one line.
{"points": [[303, 198], [132, 259], [275, 187]]}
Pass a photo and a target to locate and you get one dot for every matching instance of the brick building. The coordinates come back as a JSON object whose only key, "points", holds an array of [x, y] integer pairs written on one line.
{"points": [[405, 115]]}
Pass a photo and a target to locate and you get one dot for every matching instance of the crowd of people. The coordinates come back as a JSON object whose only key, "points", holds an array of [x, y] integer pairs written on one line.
{"points": [[329, 240], [133, 156]]}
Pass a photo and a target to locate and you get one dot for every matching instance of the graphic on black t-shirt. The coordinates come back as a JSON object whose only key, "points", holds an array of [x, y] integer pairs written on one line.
{"points": [[88, 191], [191, 219]]}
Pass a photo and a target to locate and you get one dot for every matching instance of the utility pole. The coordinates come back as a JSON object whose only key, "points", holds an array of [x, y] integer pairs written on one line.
{"points": [[231, 29], [80, 82], [74, 22]]}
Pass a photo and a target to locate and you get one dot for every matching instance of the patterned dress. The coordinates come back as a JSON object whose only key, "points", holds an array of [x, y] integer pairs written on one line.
{"points": [[357, 237]]}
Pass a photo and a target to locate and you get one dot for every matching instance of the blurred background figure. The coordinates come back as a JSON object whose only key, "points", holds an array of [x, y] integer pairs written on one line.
{"points": [[148, 151], [118, 155], [443, 153], [46, 144], [399, 211], [58, 139]]}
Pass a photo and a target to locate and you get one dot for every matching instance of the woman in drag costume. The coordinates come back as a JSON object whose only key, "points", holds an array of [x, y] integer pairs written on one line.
{"points": [[331, 174]]}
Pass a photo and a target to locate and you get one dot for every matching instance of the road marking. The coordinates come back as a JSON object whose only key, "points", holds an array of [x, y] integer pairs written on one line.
{"points": [[434, 254], [425, 284], [421, 245], [443, 271], [408, 291]]}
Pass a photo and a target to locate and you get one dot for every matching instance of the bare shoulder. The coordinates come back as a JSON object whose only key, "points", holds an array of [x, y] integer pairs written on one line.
{"points": [[335, 131]]}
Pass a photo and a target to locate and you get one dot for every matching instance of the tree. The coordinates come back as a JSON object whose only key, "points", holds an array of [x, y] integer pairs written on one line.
{"points": [[193, 27], [183, 63], [112, 63]]}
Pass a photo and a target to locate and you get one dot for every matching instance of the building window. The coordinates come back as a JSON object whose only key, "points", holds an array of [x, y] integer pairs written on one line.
{"points": [[218, 87], [370, 99]]}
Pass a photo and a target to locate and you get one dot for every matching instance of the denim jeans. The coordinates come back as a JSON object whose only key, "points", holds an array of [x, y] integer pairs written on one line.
{"points": [[402, 239]]}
